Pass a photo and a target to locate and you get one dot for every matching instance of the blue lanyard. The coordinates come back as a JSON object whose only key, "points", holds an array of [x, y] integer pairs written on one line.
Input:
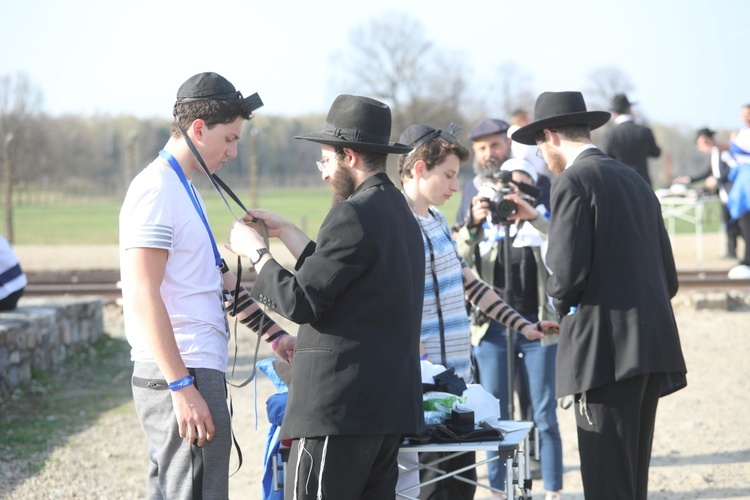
{"points": [[176, 167]]}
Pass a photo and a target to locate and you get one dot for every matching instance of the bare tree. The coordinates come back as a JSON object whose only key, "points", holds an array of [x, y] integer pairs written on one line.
{"points": [[510, 90], [391, 59], [604, 83], [19, 103]]}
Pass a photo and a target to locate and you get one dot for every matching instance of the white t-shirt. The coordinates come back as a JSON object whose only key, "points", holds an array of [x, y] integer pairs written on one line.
{"points": [[158, 213]]}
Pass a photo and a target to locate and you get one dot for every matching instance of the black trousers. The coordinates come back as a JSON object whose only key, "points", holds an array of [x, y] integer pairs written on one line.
{"points": [[732, 229], [615, 434], [9, 303], [744, 224], [353, 467]]}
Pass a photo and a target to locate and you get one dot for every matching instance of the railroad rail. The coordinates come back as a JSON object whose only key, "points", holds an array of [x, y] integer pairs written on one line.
{"points": [[104, 283], [107, 283]]}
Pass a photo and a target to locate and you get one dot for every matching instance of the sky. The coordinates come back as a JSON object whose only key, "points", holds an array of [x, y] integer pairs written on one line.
{"points": [[686, 59]]}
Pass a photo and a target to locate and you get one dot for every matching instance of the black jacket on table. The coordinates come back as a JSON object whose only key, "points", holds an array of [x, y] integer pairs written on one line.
{"points": [[611, 258], [357, 297], [632, 144]]}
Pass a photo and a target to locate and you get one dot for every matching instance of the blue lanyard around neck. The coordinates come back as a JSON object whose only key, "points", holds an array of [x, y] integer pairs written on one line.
{"points": [[176, 167]]}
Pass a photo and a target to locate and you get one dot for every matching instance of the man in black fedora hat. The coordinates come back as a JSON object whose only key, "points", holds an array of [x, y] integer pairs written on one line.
{"points": [[629, 142], [357, 296], [172, 283], [613, 275]]}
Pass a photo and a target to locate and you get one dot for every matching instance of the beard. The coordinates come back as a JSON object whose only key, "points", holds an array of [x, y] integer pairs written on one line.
{"points": [[556, 162], [490, 167], [342, 184]]}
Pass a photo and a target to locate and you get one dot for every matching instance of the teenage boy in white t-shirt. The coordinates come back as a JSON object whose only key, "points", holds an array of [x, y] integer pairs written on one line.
{"points": [[172, 281]]}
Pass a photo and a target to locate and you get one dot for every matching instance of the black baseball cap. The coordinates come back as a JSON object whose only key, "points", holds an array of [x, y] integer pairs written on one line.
{"points": [[210, 85]]}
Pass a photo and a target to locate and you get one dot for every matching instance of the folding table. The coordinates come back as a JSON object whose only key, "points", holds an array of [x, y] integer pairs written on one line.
{"points": [[513, 448]]}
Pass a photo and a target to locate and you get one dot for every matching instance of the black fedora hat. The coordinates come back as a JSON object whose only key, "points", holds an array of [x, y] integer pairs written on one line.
{"points": [[554, 109], [621, 104], [359, 123]]}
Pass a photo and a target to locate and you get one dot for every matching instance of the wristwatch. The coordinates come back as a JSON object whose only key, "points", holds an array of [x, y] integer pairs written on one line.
{"points": [[261, 253]]}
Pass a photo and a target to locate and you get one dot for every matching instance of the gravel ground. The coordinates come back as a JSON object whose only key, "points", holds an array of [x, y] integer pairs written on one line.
{"points": [[701, 448]]}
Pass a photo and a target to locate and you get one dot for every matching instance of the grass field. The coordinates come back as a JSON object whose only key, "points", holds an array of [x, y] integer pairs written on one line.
{"points": [[96, 223]]}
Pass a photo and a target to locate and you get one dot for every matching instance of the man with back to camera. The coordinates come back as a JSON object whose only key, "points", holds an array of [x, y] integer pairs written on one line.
{"points": [[628, 142], [613, 275], [491, 146], [357, 294], [172, 280]]}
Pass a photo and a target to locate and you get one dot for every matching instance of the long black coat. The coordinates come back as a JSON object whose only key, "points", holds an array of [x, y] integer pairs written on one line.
{"points": [[358, 297], [611, 258], [632, 144]]}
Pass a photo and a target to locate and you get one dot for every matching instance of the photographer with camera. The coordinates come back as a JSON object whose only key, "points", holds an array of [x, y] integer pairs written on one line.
{"points": [[491, 147], [508, 205]]}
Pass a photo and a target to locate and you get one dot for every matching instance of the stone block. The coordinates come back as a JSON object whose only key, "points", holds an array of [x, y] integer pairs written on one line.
{"points": [[42, 332]]}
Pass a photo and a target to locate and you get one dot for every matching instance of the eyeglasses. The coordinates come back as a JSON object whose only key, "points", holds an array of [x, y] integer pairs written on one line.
{"points": [[322, 163]]}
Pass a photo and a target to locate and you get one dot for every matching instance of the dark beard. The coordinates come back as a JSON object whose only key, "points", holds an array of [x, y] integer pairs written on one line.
{"points": [[342, 184]]}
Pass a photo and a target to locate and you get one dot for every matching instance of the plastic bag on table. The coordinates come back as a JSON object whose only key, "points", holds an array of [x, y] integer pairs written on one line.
{"points": [[484, 405]]}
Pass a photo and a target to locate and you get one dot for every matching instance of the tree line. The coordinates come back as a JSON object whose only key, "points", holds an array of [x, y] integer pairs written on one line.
{"points": [[54, 159]]}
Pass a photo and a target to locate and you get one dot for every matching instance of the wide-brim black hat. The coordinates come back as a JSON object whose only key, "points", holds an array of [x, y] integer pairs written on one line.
{"points": [[359, 123], [554, 109]]}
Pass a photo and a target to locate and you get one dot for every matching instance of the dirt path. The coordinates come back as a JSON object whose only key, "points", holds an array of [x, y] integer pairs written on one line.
{"points": [[701, 449]]}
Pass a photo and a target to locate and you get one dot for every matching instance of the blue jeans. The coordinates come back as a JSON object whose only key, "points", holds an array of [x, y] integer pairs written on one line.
{"points": [[538, 365]]}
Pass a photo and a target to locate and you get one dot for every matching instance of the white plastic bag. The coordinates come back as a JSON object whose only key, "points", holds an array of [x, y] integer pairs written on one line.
{"points": [[484, 405]]}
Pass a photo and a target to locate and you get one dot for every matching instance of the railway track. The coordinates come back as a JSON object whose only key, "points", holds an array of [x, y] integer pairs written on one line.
{"points": [[106, 283]]}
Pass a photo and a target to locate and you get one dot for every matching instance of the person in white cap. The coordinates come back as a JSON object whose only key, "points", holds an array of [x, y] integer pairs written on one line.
{"points": [[482, 243]]}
